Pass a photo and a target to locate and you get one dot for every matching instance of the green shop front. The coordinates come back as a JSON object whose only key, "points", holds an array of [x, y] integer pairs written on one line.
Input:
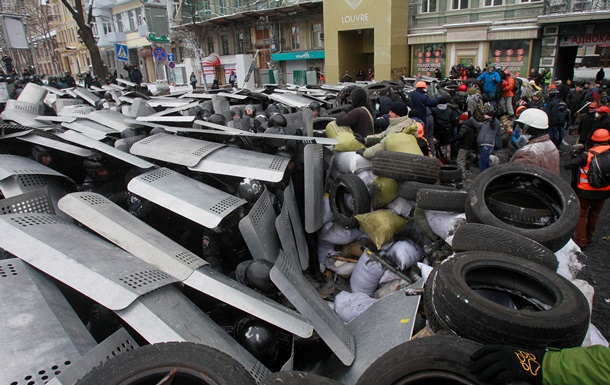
{"points": [[299, 67]]}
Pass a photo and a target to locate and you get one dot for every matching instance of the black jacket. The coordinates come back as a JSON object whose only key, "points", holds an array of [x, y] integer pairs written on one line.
{"points": [[467, 134]]}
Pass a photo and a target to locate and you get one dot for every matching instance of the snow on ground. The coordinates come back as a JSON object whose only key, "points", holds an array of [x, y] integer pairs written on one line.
{"points": [[588, 73]]}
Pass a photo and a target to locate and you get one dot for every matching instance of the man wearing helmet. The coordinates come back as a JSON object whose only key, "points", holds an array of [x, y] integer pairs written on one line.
{"points": [[539, 150], [591, 199]]}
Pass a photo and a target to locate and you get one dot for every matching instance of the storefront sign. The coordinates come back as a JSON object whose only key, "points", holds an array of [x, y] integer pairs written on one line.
{"points": [[355, 19], [510, 55], [427, 58], [302, 55], [582, 40]]}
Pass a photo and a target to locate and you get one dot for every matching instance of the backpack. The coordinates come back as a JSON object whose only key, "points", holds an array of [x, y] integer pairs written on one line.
{"points": [[599, 170], [517, 87]]}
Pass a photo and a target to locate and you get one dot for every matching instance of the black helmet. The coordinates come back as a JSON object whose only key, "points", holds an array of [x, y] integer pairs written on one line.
{"points": [[218, 119], [39, 151], [277, 121], [258, 337], [314, 106], [236, 111], [98, 167], [250, 189], [272, 109], [255, 275], [129, 133]]}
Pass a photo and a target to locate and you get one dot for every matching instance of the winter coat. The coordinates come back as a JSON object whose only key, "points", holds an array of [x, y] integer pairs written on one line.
{"points": [[507, 90], [539, 151], [135, 76], [467, 134], [419, 101], [539, 104], [487, 134], [582, 163], [473, 102], [580, 365], [383, 116], [552, 109], [460, 101], [575, 100], [359, 119], [445, 118], [490, 81]]}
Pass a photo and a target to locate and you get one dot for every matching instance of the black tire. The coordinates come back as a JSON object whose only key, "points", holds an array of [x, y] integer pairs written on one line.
{"points": [[342, 96], [409, 189], [550, 311], [403, 166], [441, 200], [295, 377], [196, 364], [530, 187], [349, 184], [259, 96], [517, 215], [479, 237], [450, 173], [428, 360], [380, 88], [333, 112]]}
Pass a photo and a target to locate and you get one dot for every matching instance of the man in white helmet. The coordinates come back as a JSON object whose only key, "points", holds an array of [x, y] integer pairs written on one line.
{"points": [[536, 148]]}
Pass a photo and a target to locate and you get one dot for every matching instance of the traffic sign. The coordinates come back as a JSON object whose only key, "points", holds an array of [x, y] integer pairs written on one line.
{"points": [[171, 64], [170, 57], [160, 54], [121, 52]]}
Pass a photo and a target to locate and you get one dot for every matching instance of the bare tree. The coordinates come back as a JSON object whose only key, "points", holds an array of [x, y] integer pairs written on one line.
{"points": [[39, 31], [85, 31]]}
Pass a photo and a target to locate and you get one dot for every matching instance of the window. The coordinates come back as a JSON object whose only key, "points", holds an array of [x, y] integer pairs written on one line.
{"points": [[210, 44], [428, 6], [119, 23], [107, 26], [133, 20], [224, 40], [295, 38], [140, 16], [317, 36], [459, 4], [125, 18], [491, 3]]}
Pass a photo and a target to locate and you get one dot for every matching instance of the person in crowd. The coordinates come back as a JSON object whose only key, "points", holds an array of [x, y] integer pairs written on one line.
{"points": [[490, 79], [460, 99], [360, 117], [535, 76], [546, 77], [193, 80], [585, 126], [215, 84], [600, 75], [575, 100], [382, 113], [473, 101], [507, 93], [370, 76], [420, 100], [591, 199], [361, 76], [505, 364], [602, 120], [400, 136], [95, 82], [486, 140], [437, 74], [52, 82], [446, 119], [535, 145], [559, 121], [236, 118], [517, 130], [136, 75], [88, 79], [317, 109], [537, 101], [346, 77], [69, 79], [232, 79], [591, 95], [467, 139]]}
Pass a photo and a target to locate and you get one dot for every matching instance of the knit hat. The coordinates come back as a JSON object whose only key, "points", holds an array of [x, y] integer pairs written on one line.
{"points": [[462, 87], [472, 91], [463, 117], [359, 97], [399, 108]]}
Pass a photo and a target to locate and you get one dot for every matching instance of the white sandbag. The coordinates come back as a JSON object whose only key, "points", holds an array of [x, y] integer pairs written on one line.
{"points": [[405, 254], [401, 206], [342, 268], [327, 214], [350, 305], [367, 177], [425, 270], [390, 287], [594, 337], [366, 275], [388, 276], [587, 290], [567, 256], [325, 249], [339, 235], [324, 229], [350, 162], [444, 223]]}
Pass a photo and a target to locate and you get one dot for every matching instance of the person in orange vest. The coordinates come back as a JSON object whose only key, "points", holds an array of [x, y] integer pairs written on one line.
{"points": [[591, 199]]}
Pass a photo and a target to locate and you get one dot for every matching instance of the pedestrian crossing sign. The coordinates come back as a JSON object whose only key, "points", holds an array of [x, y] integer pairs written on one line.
{"points": [[121, 52]]}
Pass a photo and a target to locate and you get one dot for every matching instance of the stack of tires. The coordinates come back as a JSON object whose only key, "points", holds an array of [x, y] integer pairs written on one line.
{"points": [[501, 285]]}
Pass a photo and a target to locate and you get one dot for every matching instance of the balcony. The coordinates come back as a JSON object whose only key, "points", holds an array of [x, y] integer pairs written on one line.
{"points": [[572, 6], [116, 37]]}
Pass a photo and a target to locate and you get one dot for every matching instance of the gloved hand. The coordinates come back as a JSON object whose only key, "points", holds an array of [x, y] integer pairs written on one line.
{"points": [[360, 151], [359, 138], [578, 148], [504, 364]]}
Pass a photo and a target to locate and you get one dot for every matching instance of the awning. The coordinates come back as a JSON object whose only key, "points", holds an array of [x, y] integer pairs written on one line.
{"points": [[211, 60], [300, 55]]}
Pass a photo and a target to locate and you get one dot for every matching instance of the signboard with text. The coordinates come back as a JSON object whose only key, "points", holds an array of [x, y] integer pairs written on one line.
{"points": [[427, 58], [510, 54]]}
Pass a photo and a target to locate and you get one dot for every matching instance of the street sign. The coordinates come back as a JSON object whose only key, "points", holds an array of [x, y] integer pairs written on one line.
{"points": [[121, 52], [160, 54], [171, 57], [171, 64]]}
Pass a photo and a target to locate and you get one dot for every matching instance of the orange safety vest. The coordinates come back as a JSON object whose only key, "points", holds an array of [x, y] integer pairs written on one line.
{"points": [[583, 180]]}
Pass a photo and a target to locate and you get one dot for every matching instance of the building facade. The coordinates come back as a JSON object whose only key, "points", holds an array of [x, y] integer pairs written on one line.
{"points": [[73, 55]]}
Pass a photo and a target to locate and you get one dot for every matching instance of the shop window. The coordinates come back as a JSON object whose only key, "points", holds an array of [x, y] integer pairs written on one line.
{"points": [[210, 44], [459, 4], [295, 38], [224, 39], [317, 36], [492, 3], [428, 6]]}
